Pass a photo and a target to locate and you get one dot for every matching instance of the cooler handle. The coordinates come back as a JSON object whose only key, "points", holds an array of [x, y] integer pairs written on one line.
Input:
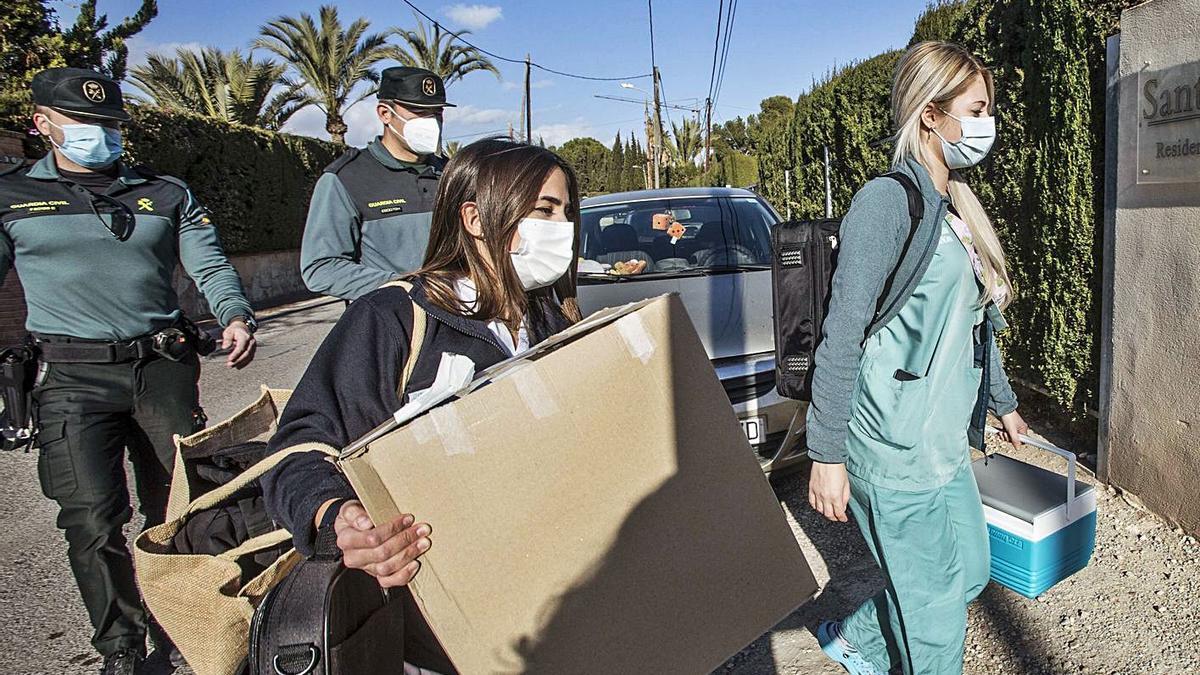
{"points": [[1065, 454]]}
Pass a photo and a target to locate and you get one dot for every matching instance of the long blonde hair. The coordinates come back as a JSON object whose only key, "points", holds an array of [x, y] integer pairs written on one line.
{"points": [[938, 72]]}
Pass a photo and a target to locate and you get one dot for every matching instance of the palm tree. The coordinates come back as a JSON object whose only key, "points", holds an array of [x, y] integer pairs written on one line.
{"points": [[224, 85], [439, 52], [686, 142], [328, 61]]}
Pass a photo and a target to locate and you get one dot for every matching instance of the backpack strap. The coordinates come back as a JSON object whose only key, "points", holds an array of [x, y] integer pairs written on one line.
{"points": [[420, 320], [916, 213]]}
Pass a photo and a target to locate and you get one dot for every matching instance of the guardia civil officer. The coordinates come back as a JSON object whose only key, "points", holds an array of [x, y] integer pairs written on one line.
{"points": [[369, 219], [95, 242]]}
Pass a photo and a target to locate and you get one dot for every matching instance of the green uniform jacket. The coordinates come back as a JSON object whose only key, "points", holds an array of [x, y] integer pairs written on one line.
{"points": [[368, 222], [81, 281]]}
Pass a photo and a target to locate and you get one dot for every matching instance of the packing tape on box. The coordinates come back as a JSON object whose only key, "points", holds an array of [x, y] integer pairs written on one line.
{"points": [[456, 438], [538, 397], [636, 338], [422, 430]]}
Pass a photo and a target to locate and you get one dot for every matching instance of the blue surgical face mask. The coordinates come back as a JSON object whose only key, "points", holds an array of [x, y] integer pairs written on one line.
{"points": [[978, 134], [89, 145]]}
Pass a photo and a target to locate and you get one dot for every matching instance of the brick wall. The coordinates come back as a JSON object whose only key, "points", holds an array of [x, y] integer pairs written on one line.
{"points": [[12, 311], [12, 301]]}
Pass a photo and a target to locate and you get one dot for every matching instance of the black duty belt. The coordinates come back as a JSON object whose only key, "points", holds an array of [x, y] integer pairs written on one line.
{"points": [[69, 350]]}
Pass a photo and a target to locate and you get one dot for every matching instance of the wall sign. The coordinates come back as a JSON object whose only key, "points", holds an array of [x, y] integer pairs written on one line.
{"points": [[1168, 117]]}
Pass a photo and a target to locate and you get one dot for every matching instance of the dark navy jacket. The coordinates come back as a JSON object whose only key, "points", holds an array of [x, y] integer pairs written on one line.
{"points": [[350, 388]]}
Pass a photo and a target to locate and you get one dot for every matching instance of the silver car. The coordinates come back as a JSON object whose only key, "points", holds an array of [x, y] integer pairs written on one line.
{"points": [[715, 252]]}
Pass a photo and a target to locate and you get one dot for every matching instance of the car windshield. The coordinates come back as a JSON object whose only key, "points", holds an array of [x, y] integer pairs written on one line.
{"points": [[675, 236]]}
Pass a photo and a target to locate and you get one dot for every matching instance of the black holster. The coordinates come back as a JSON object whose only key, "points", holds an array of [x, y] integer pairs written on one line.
{"points": [[201, 341], [18, 373]]}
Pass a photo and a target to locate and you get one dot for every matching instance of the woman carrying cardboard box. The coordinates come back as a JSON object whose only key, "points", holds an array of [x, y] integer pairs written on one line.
{"points": [[498, 277]]}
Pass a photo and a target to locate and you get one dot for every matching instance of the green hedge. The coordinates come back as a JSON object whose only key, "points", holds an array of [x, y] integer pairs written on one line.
{"points": [[1042, 185], [256, 183], [849, 112]]}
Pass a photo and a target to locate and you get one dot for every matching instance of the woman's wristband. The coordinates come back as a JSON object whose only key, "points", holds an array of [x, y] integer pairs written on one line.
{"points": [[331, 513]]}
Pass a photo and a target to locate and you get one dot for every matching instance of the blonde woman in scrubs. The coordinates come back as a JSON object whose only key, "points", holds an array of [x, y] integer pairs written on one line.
{"points": [[907, 370]]}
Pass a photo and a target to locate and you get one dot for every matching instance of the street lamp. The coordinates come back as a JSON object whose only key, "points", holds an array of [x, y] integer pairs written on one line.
{"points": [[627, 85]]}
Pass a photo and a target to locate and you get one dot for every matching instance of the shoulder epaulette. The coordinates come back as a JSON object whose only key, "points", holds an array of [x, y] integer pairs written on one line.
{"points": [[339, 163], [11, 165]]}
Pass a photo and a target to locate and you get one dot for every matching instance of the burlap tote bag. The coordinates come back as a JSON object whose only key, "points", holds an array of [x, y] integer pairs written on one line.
{"points": [[201, 601]]}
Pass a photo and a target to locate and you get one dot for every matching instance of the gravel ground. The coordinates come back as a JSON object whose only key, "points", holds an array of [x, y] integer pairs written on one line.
{"points": [[1135, 609]]}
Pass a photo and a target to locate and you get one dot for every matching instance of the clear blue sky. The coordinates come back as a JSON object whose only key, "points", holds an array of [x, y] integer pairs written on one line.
{"points": [[777, 47]]}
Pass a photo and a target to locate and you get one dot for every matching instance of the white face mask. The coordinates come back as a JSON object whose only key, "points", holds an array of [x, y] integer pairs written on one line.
{"points": [[978, 134], [546, 251], [421, 134]]}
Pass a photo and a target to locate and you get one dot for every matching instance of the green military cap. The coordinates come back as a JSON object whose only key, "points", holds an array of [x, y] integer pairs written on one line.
{"points": [[413, 87], [79, 92]]}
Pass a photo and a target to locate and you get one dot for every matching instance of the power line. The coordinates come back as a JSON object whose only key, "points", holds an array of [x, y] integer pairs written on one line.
{"points": [[460, 38], [663, 91], [725, 49], [478, 133], [653, 61], [712, 77]]}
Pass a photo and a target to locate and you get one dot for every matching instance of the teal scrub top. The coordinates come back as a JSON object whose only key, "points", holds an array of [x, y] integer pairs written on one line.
{"points": [[918, 383]]}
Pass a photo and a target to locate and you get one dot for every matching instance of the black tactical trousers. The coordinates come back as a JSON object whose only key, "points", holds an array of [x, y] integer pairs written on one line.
{"points": [[90, 413]]}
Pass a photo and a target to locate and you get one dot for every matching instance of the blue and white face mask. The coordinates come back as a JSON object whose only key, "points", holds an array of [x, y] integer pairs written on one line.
{"points": [[90, 145], [978, 135]]}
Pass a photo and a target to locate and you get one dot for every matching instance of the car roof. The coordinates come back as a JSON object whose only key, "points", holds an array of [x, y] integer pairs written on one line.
{"points": [[665, 193]]}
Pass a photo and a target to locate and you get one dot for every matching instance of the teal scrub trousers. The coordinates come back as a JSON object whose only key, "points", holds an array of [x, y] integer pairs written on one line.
{"points": [[933, 548]]}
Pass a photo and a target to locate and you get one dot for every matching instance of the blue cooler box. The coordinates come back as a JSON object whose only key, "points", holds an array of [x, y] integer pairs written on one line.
{"points": [[1041, 525]]}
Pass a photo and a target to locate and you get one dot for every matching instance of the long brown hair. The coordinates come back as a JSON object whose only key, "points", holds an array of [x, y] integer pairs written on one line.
{"points": [[504, 179]]}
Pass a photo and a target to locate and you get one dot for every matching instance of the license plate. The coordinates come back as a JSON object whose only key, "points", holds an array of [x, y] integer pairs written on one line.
{"points": [[755, 429]]}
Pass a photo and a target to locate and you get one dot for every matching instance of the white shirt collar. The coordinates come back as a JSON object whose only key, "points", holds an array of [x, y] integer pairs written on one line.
{"points": [[468, 294]]}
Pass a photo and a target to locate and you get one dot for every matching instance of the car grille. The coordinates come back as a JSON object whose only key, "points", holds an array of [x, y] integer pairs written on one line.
{"points": [[749, 387]]}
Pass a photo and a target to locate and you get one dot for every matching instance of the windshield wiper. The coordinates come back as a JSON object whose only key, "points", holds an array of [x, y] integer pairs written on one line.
{"points": [[718, 269], [685, 272]]}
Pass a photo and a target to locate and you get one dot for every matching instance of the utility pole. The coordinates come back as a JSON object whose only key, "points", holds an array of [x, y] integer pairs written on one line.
{"points": [[787, 191], [528, 104], [658, 131], [651, 168], [707, 131], [828, 189]]}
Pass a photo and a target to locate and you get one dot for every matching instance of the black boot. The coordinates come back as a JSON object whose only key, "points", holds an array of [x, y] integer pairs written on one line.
{"points": [[123, 662], [162, 643]]}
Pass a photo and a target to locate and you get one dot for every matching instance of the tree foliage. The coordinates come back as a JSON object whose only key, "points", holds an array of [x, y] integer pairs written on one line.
{"points": [[224, 85], [1042, 184], [590, 159], [255, 183], [439, 52], [32, 39], [328, 61]]}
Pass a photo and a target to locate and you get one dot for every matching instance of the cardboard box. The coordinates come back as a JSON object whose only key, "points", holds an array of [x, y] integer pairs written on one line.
{"points": [[595, 508]]}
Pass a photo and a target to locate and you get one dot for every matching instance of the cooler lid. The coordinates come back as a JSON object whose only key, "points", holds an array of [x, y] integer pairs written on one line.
{"points": [[1022, 490]]}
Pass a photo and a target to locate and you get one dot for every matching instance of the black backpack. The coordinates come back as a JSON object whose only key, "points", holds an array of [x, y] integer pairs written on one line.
{"points": [[805, 256], [326, 619]]}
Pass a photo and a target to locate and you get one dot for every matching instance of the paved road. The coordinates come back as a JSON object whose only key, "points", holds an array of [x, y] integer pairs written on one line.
{"points": [[1136, 609], [43, 625]]}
